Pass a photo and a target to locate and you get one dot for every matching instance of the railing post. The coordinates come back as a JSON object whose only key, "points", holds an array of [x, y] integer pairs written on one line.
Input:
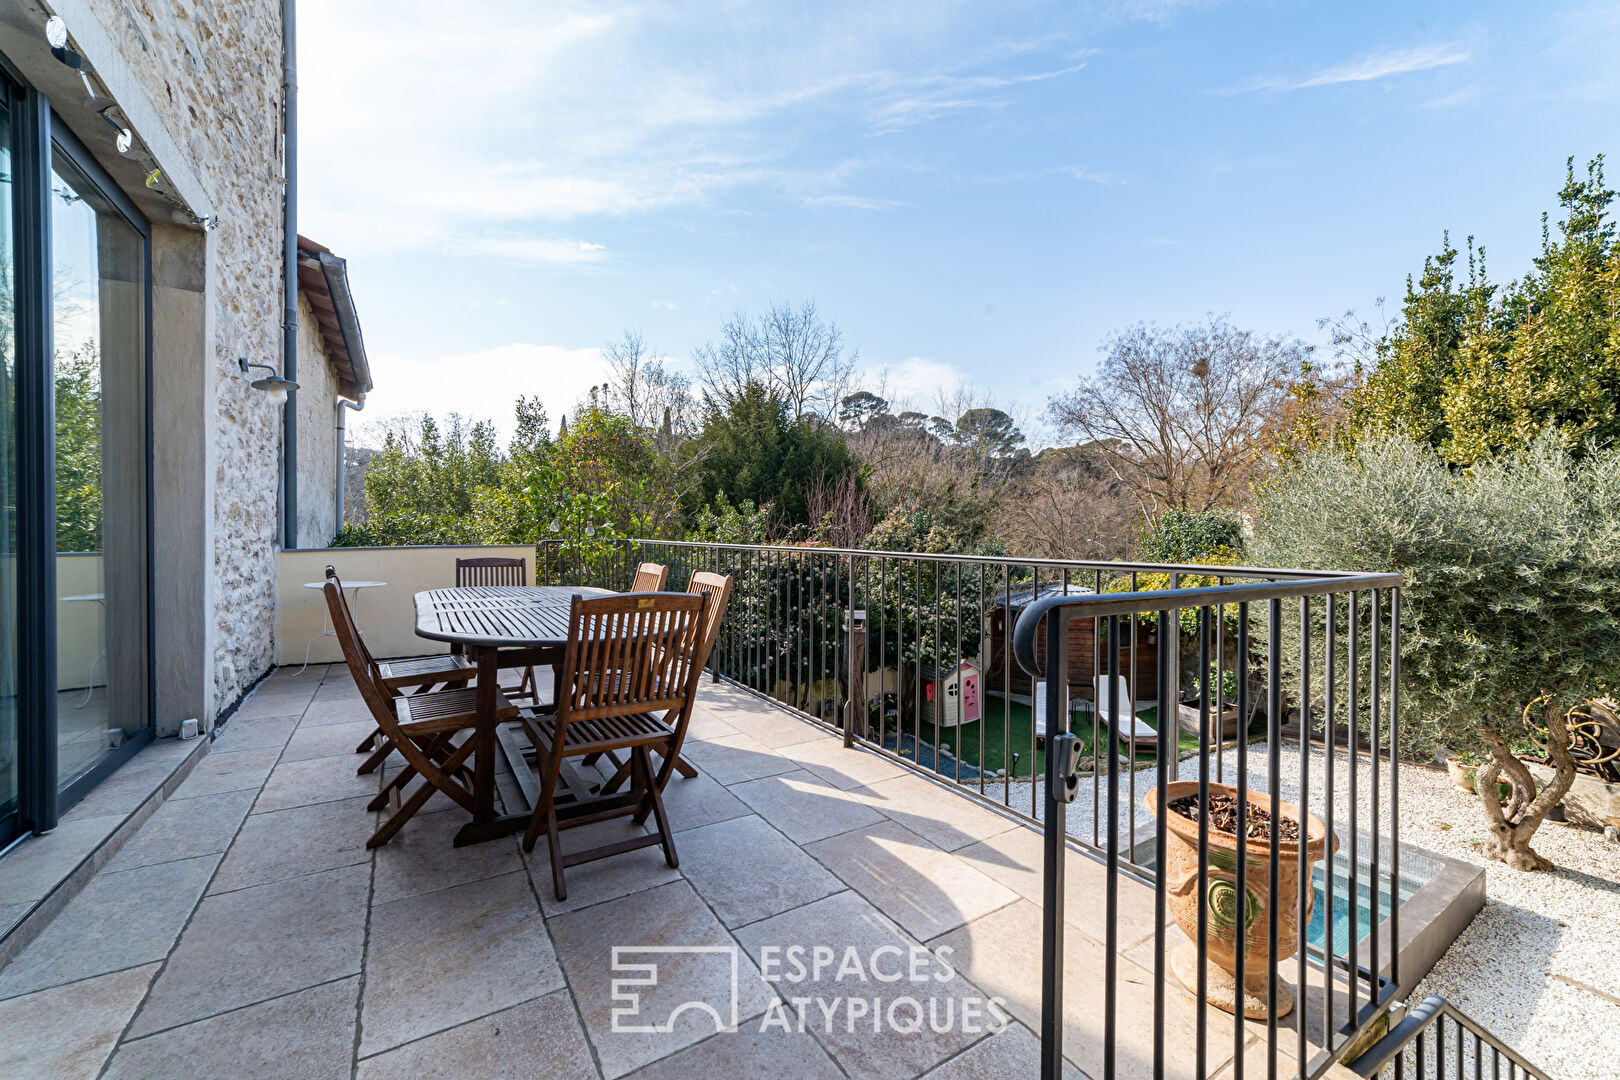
{"points": [[1056, 837], [855, 666]]}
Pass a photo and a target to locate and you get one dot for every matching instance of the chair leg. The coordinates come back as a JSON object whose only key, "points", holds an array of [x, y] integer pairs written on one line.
{"points": [[655, 802], [378, 756], [369, 742], [418, 799], [438, 746], [683, 768], [554, 843]]}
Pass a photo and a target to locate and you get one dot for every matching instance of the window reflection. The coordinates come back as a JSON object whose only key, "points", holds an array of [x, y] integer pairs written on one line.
{"points": [[98, 283]]}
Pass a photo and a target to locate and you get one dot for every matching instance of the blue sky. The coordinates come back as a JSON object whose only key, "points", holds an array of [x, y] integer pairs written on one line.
{"points": [[977, 193]]}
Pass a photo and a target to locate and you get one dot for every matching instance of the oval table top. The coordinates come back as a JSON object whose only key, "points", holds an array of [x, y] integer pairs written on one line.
{"points": [[500, 616]]}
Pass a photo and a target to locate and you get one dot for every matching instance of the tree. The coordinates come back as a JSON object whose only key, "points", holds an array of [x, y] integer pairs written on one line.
{"points": [[77, 405], [859, 409], [423, 483], [1068, 508], [1474, 370], [1178, 414], [795, 353], [642, 386], [754, 449], [1511, 606]]}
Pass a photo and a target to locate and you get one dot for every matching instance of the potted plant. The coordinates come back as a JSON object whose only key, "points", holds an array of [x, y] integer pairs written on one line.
{"points": [[1220, 891], [1461, 769]]}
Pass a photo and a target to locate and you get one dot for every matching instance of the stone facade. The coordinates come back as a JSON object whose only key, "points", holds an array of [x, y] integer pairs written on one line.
{"points": [[317, 434], [211, 69]]}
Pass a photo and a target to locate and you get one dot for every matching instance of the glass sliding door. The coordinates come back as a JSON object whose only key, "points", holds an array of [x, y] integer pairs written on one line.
{"points": [[98, 285], [10, 746]]}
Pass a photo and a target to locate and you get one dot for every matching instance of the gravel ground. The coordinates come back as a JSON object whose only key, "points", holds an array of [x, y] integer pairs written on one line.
{"points": [[1540, 965]]}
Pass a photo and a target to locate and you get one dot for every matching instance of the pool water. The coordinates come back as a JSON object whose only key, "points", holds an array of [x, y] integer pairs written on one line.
{"points": [[1416, 872]]}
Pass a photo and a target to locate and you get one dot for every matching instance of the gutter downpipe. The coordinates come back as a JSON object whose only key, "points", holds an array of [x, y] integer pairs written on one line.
{"points": [[342, 443], [289, 318]]}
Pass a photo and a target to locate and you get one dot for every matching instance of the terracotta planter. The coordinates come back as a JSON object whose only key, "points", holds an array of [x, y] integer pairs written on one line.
{"points": [[1180, 876], [1462, 776]]}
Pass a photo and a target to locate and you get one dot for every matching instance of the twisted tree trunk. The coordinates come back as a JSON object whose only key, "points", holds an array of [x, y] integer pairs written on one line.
{"points": [[1509, 829]]}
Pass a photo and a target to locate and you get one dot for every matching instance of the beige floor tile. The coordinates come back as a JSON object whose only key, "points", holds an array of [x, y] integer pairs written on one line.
{"points": [[184, 830], [848, 928], [308, 1035], [805, 807], [135, 781], [1001, 953], [775, 728], [318, 780], [1016, 859], [605, 879], [276, 698], [294, 842], [641, 924], [736, 758], [844, 768], [748, 871], [945, 818], [422, 857], [342, 710], [443, 958], [705, 726], [926, 890], [692, 802], [540, 1038], [66, 1033], [254, 733], [228, 770], [117, 921], [39, 863], [1013, 1051], [253, 944], [327, 740], [748, 1052]]}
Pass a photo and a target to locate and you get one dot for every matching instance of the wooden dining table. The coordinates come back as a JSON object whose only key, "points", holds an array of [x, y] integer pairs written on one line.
{"points": [[498, 626]]}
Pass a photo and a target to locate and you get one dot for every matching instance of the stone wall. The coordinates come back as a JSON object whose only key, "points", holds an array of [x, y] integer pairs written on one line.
{"points": [[212, 69], [317, 435]]}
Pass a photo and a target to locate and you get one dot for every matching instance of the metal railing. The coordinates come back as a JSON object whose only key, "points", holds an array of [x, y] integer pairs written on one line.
{"points": [[1234, 660], [1420, 1048]]}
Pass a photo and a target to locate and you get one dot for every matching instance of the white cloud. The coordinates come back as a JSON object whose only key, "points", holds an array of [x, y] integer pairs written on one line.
{"points": [[664, 305], [484, 385], [847, 202], [533, 249], [916, 381], [1378, 65]]}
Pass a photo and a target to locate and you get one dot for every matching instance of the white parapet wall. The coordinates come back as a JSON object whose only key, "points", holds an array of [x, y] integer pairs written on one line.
{"points": [[386, 614]]}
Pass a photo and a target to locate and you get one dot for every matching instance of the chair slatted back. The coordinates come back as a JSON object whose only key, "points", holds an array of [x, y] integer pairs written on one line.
{"points": [[378, 698], [650, 577], [629, 654], [491, 571], [717, 587]]}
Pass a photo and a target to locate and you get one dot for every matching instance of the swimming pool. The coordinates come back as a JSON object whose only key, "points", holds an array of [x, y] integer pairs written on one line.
{"points": [[1416, 872]]}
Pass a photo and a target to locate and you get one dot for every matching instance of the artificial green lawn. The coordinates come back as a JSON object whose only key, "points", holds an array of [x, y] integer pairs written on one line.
{"points": [[1016, 721]]}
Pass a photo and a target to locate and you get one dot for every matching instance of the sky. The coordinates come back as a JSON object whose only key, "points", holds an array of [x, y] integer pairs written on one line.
{"points": [[978, 194]]}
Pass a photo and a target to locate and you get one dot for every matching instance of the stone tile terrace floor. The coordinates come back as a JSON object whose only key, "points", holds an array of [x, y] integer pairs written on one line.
{"points": [[245, 931]]}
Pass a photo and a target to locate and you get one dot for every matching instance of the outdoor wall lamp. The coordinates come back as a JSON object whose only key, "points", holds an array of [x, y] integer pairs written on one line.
{"points": [[274, 386]]}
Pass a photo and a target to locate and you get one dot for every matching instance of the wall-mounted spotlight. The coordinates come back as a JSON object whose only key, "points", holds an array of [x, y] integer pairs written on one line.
{"points": [[274, 387], [56, 36]]}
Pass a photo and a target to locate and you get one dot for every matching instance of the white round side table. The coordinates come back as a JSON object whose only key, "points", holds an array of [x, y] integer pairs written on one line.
{"points": [[354, 588]]}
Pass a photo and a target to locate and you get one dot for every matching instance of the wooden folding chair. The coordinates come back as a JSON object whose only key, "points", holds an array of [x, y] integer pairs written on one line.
{"points": [[628, 678], [500, 570], [717, 589], [650, 577], [412, 674], [420, 726]]}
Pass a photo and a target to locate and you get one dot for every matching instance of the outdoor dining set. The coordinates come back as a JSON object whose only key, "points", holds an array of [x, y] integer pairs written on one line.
{"points": [[603, 744]]}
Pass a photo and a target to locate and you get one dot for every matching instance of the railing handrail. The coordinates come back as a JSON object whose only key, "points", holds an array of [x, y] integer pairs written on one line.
{"points": [[1415, 1022], [1101, 605], [1207, 570]]}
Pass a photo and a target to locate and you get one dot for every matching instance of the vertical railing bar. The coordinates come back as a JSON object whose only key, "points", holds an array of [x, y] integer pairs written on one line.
{"points": [[1098, 662], [939, 667], [1160, 850], [916, 696], [1006, 687], [956, 672], [1111, 905], [1353, 893], [984, 673], [1373, 694], [1330, 946], [1394, 787], [1302, 920], [1201, 944], [1220, 689], [1035, 595], [1274, 708], [1132, 692], [1241, 930]]}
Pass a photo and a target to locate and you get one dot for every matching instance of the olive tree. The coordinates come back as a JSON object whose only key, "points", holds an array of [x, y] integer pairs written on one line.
{"points": [[1511, 608]]}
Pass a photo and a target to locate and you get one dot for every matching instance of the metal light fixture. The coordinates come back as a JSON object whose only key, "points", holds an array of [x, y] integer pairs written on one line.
{"points": [[275, 387]]}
